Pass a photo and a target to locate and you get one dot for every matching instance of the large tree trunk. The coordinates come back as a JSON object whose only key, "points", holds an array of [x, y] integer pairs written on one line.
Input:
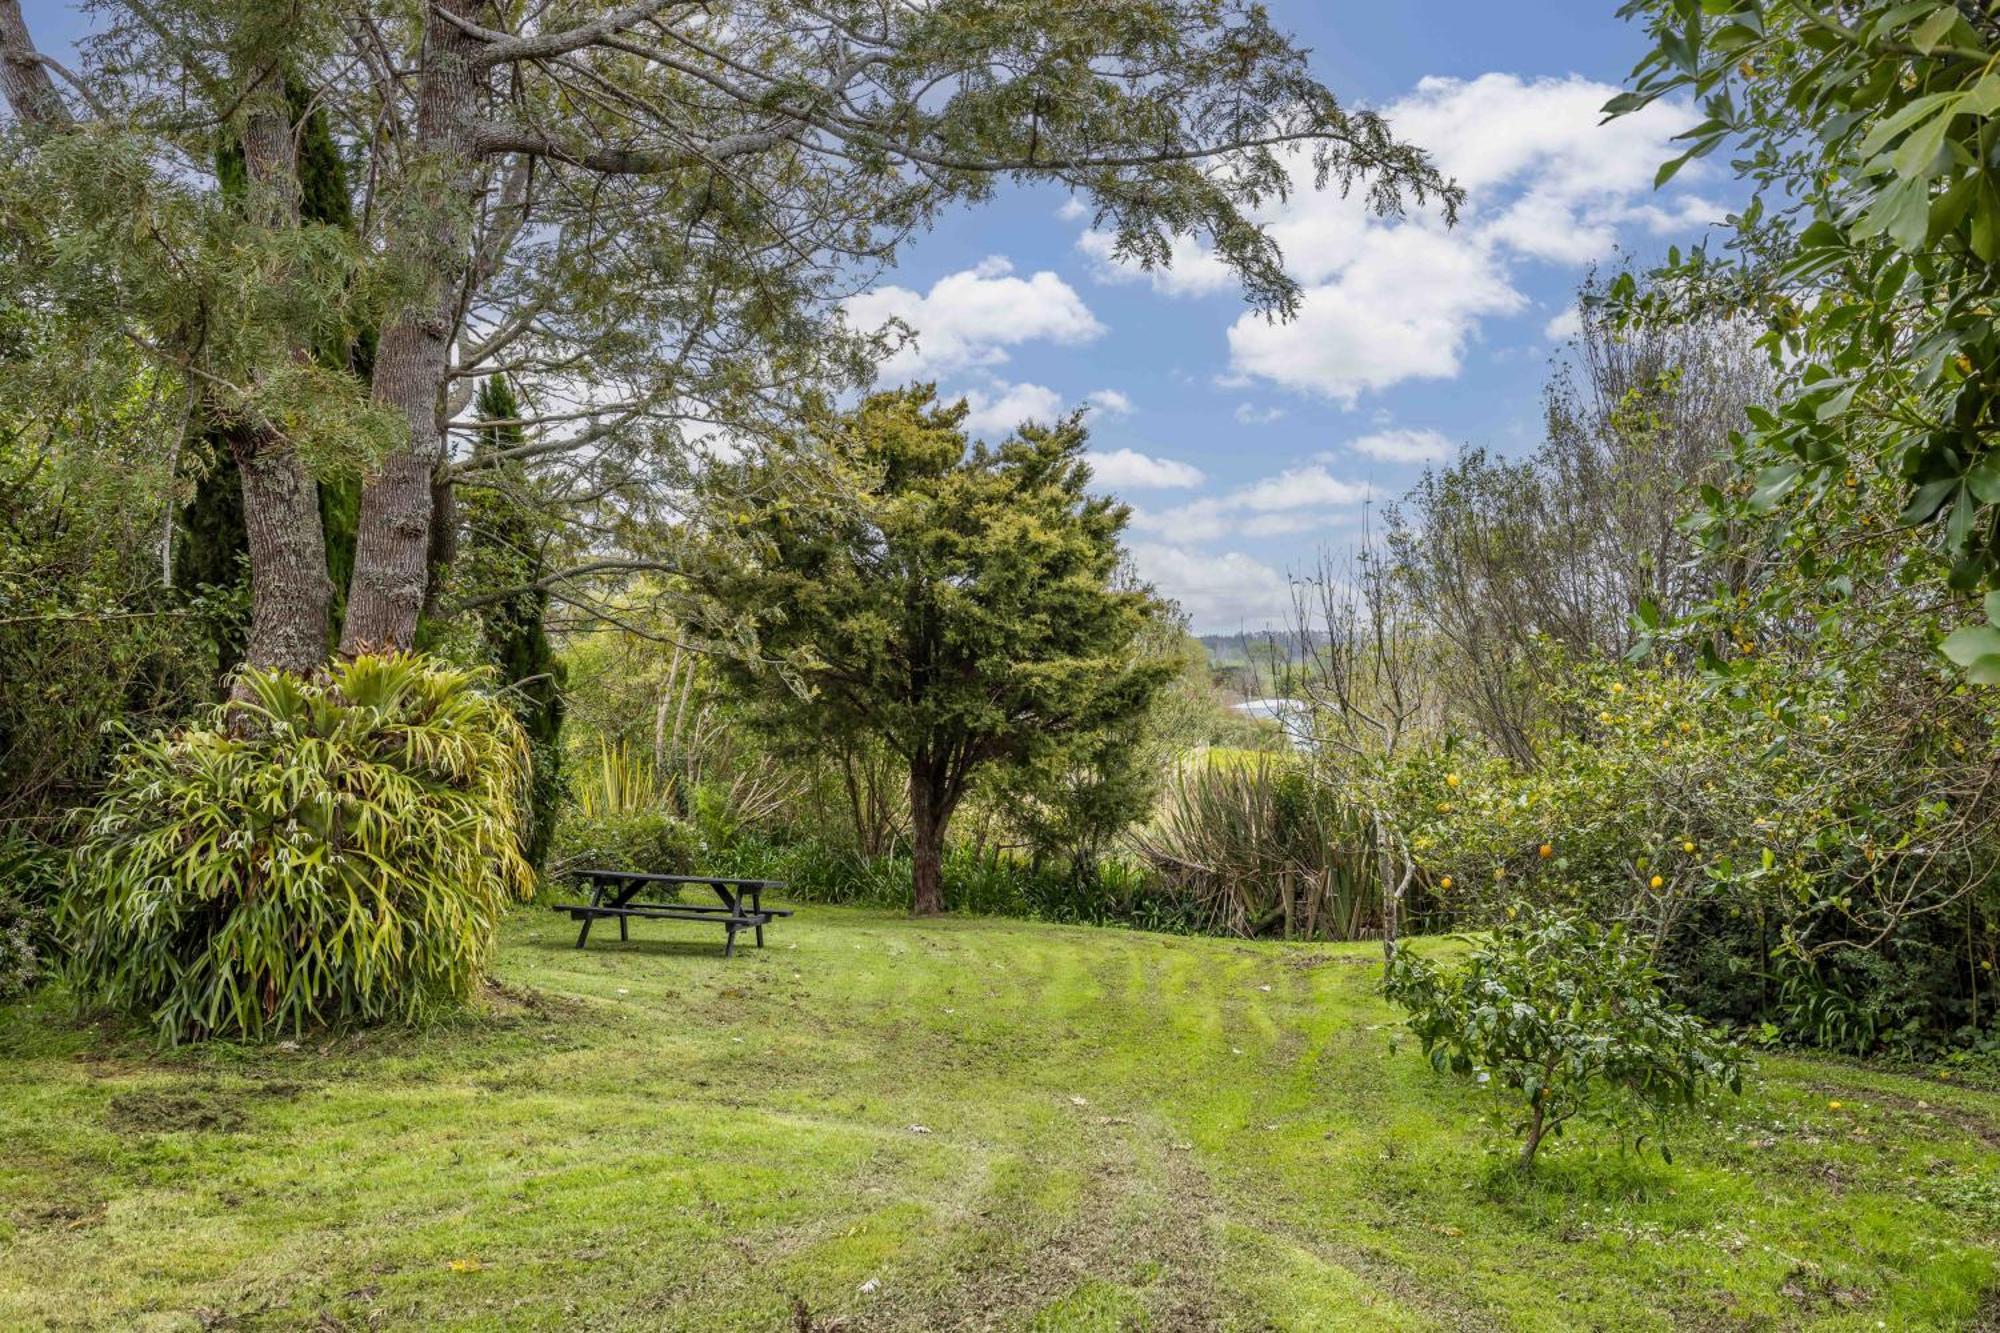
{"points": [[413, 358], [289, 588], [23, 77], [929, 812]]}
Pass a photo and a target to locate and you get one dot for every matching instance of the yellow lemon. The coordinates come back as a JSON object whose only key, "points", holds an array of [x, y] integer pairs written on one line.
{"points": [[1833, 1106], [1688, 847], [1445, 883], [1547, 850], [1451, 779], [1656, 881]]}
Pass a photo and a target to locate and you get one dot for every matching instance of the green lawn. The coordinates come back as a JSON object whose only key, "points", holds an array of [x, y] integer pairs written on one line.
{"points": [[881, 1124]]}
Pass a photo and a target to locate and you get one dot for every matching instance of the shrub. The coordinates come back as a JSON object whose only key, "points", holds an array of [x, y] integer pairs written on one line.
{"points": [[652, 842], [1562, 1020], [1251, 846], [21, 928], [1814, 851], [331, 850], [30, 872]]}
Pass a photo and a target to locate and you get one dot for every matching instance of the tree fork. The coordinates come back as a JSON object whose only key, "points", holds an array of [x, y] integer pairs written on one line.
{"points": [[24, 78]]}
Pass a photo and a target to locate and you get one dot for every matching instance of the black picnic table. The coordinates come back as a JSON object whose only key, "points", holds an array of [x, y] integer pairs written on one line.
{"points": [[612, 892]]}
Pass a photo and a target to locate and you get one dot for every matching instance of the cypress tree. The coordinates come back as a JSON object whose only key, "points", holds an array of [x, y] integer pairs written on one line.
{"points": [[502, 546]]}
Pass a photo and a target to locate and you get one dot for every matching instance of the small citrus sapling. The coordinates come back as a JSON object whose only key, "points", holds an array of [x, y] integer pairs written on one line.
{"points": [[1562, 1020]]}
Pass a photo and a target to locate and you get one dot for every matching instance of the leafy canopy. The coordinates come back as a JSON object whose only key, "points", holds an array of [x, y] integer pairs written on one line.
{"points": [[1866, 254]]}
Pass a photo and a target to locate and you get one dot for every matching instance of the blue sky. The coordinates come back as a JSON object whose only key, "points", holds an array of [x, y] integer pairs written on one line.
{"points": [[1244, 447]]}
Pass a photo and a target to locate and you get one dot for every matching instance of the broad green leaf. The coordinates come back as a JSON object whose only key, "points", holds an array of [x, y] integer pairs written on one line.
{"points": [[1927, 105], [1925, 500], [1983, 98], [1983, 478], [1773, 484], [1836, 404], [1930, 34], [1959, 526], [1915, 155], [1986, 220], [1968, 644]]}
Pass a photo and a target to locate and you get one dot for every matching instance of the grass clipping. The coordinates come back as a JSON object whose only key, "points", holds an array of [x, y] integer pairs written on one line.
{"points": [[334, 850]]}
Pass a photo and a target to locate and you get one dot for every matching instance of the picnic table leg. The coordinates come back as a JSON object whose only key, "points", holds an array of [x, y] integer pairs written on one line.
{"points": [[622, 934], [757, 907], [596, 897], [729, 949]]}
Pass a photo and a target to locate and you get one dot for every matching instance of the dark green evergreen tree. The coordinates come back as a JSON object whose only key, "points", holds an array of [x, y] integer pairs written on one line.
{"points": [[500, 558]]}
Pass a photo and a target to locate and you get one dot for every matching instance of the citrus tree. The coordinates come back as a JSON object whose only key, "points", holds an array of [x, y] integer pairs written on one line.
{"points": [[1866, 258], [1563, 1020]]}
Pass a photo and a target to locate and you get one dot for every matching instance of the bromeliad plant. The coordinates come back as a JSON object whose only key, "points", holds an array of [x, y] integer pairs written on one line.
{"points": [[323, 851], [1565, 1020]]}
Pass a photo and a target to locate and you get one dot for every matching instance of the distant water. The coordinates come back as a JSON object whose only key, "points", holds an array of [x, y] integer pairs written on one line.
{"points": [[1290, 714]]}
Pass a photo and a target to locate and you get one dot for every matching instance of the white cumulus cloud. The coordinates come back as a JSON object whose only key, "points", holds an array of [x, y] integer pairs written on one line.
{"points": [[1404, 306], [1128, 469], [971, 317], [1110, 403], [1192, 268], [1389, 301], [999, 410], [1403, 446], [1293, 501], [1220, 593]]}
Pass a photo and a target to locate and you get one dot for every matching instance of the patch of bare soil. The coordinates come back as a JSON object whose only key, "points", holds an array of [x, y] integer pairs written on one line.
{"points": [[175, 1111]]}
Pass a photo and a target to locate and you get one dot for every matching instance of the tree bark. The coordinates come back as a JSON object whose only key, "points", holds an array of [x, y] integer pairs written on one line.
{"points": [[24, 78], [928, 816], [413, 358], [289, 589], [1392, 897], [1534, 1140], [442, 549]]}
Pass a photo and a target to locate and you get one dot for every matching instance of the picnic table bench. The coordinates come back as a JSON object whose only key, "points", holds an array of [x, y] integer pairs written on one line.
{"points": [[612, 893]]}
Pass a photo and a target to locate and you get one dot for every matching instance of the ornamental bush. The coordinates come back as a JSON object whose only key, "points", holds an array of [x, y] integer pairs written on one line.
{"points": [[326, 851], [1562, 1019], [652, 842]]}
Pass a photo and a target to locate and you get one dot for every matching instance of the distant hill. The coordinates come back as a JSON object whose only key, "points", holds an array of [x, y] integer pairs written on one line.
{"points": [[1237, 649]]}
